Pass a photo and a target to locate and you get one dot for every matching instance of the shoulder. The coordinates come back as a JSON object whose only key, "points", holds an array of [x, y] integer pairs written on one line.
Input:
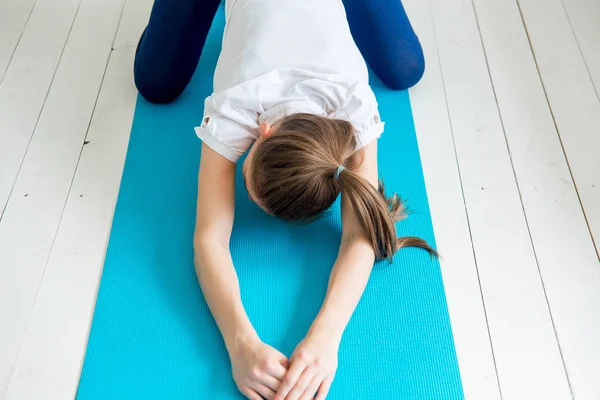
{"points": [[359, 107]]}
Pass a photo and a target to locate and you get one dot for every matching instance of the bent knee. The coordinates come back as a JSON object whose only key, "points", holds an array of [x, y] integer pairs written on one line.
{"points": [[405, 72], [154, 89], [153, 79]]}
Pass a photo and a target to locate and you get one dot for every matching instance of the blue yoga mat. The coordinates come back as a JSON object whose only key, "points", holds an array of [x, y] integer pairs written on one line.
{"points": [[152, 335]]}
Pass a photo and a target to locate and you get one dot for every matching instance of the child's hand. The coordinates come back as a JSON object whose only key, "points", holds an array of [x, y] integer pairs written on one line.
{"points": [[258, 369], [313, 367]]}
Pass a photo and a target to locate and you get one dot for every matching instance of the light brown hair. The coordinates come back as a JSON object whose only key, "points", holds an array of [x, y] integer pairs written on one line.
{"points": [[293, 175]]}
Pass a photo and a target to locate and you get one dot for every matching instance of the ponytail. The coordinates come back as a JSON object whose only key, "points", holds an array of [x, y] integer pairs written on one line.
{"points": [[377, 214]]}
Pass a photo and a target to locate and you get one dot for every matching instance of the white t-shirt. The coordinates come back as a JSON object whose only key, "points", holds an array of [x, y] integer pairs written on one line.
{"points": [[281, 57]]}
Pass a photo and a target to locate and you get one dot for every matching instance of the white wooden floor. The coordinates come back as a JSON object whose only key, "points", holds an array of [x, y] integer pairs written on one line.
{"points": [[508, 122]]}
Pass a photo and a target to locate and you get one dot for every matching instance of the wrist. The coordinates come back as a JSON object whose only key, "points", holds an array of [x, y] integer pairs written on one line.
{"points": [[326, 325], [239, 337]]}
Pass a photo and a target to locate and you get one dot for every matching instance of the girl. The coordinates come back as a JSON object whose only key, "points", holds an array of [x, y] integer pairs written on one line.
{"points": [[291, 86]]}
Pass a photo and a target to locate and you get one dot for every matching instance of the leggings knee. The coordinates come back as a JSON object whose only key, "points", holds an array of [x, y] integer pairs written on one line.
{"points": [[153, 80], [405, 72], [170, 47], [159, 91]]}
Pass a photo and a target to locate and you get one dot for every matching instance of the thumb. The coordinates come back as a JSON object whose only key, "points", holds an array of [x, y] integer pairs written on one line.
{"points": [[283, 360]]}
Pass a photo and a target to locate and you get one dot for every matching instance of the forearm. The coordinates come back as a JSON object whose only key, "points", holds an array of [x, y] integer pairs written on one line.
{"points": [[353, 266], [347, 283], [219, 283]]}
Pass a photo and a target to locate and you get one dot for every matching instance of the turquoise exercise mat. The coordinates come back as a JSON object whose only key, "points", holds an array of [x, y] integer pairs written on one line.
{"points": [[152, 335]]}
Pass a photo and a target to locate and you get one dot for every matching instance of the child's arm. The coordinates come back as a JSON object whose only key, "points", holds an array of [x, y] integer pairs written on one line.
{"points": [[315, 359], [257, 367]]}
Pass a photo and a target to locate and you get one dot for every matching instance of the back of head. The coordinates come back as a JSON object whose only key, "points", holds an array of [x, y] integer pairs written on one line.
{"points": [[294, 177]]}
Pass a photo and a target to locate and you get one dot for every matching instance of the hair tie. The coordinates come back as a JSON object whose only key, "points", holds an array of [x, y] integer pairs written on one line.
{"points": [[339, 170]]}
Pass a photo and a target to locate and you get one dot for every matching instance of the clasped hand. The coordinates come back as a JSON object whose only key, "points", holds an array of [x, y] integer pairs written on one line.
{"points": [[260, 371]]}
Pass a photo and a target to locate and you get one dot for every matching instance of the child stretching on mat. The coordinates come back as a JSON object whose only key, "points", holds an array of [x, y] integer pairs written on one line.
{"points": [[291, 86]]}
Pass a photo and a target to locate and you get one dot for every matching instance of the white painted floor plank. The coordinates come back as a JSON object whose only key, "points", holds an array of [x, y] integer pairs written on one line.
{"points": [[50, 361], [572, 97], [32, 216], [550, 201], [585, 21], [446, 202], [13, 18], [26, 82], [527, 355], [137, 12], [68, 291]]}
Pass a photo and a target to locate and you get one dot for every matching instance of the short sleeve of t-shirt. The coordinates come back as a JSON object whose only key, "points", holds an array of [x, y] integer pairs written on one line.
{"points": [[360, 108], [228, 126]]}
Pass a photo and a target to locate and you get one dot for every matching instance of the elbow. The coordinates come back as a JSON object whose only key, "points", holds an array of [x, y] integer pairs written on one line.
{"points": [[353, 235], [208, 249], [356, 240], [206, 240], [198, 240], [348, 239]]}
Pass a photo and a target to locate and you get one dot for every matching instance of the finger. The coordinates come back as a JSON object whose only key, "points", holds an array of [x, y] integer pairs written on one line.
{"points": [[264, 391], [290, 379], [311, 390], [303, 382], [251, 394], [283, 360], [276, 370], [324, 389], [270, 381]]}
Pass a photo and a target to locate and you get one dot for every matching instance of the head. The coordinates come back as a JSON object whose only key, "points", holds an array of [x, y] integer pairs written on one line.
{"points": [[290, 173]]}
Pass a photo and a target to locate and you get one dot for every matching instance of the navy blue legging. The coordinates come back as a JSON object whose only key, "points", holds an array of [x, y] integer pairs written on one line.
{"points": [[170, 47]]}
